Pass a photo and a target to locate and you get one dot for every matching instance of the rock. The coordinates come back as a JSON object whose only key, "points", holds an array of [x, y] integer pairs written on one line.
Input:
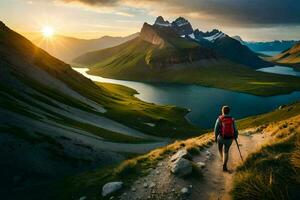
{"points": [[181, 167], [145, 185], [173, 190], [200, 164], [281, 107], [160, 164], [191, 186], [111, 187], [111, 198], [157, 172], [152, 185], [82, 198], [183, 153], [133, 189], [208, 153], [184, 190]]}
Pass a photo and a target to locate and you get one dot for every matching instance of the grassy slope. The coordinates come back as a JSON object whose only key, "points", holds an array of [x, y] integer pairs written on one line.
{"points": [[274, 171], [283, 113], [130, 62]]}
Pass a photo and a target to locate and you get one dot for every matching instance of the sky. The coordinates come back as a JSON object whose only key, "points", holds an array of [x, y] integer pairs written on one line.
{"points": [[253, 20]]}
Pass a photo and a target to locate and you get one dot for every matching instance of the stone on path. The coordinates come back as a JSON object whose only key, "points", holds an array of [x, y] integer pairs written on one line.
{"points": [[183, 153], [181, 167], [111, 187]]}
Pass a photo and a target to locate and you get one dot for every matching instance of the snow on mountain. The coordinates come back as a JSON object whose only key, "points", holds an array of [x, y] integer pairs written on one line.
{"points": [[215, 36]]}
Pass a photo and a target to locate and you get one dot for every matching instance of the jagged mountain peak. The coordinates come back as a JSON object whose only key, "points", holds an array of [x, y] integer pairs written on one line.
{"points": [[149, 34], [161, 22]]}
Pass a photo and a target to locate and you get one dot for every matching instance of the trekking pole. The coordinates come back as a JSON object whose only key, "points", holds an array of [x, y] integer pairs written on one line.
{"points": [[239, 149]]}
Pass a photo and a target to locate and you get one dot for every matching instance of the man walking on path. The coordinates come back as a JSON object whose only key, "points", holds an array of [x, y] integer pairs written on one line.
{"points": [[225, 132]]}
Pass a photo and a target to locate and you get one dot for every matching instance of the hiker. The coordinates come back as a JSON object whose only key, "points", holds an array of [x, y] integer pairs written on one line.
{"points": [[225, 132]]}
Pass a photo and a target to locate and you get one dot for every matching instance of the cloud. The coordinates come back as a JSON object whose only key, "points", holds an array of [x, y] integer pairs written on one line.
{"points": [[229, 12], [108, 3]]}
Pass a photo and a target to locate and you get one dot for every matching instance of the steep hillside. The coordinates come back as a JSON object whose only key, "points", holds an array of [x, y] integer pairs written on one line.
{"points": [[68, 48], [290, 56], [55, 122]]}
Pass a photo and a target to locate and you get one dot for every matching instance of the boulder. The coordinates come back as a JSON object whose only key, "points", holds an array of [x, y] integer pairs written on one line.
{"points": [[183, 153], [181, 167], [111, 187], [200, 164], [184, 190]]}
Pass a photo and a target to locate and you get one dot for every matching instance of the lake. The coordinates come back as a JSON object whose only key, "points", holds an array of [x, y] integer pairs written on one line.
{"points": [[270, 53], [280, 70], [204, 102]]}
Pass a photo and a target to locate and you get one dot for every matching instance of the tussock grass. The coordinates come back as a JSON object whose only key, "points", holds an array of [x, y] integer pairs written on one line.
{"points": [[274, 171]]}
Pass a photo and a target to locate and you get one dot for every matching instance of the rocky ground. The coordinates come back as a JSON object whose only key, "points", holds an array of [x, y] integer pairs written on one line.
{"points": [[210, 183]]}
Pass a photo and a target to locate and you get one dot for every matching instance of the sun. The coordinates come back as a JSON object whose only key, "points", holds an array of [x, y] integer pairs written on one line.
{"points": [[48, 31]]}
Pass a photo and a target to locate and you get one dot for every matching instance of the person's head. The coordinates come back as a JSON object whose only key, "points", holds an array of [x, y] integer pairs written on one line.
{"points": [[225, 110]]}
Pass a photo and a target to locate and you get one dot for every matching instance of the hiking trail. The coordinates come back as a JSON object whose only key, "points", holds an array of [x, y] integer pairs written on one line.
{"points": [[214, 184]]}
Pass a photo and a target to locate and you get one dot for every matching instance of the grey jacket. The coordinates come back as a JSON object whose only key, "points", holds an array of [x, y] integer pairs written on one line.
{"points": [[218, 128]]}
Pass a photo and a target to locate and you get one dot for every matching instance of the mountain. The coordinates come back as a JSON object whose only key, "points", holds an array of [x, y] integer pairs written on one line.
{"points": [[67, 48], [54, 122], [156, 48], [230, 48], [290, 56], [271, 46], [194, 45], [238, 38]]}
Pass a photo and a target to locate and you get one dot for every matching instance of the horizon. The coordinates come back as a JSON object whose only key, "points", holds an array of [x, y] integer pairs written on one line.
{"points": [[86, 19]]}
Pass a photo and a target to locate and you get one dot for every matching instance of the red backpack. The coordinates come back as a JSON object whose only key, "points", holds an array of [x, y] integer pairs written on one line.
{"points": [[227, 129]]}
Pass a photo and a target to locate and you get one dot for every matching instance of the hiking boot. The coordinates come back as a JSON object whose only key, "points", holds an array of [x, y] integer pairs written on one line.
{"points": [[225, 168]]}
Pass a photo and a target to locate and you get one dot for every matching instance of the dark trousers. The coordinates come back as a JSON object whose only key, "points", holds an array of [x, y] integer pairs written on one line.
{"points": [[224, 146]]}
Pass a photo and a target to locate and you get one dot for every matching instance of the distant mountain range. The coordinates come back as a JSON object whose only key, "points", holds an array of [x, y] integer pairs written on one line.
{"points": [[275, 45], [67, 48]]}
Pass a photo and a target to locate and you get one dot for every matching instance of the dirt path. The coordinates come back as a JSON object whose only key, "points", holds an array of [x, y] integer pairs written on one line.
{"points": [[215, 184]]}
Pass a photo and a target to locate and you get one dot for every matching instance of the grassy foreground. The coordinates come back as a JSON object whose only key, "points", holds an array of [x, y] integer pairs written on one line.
{"points": [[274, 171]]}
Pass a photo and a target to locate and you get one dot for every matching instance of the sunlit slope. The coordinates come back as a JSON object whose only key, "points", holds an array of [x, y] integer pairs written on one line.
{"points": [[290, 56]]}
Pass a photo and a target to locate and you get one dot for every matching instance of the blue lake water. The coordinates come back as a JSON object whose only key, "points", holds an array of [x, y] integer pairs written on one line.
{"points": [[270, 53], [204, 102], [280, 70]]}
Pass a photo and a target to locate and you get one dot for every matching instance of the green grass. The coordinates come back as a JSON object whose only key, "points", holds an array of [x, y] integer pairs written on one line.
{"points": [[121, 106], [285, 112], [271, 173]]}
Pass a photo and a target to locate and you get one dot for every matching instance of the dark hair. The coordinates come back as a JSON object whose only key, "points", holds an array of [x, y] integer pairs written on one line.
{"points": [[225, 110]]}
